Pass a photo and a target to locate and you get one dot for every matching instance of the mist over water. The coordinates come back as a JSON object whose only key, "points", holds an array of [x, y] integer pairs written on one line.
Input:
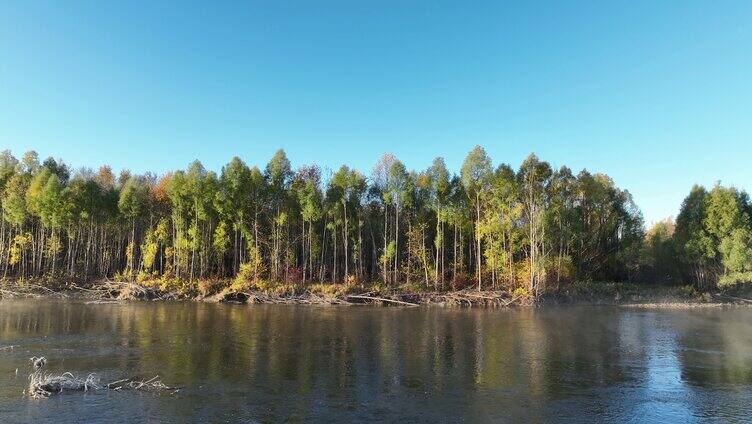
{"points": [[345, 364]]}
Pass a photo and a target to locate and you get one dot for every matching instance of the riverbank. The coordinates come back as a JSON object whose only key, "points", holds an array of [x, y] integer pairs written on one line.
{"points": [[581, 293]]}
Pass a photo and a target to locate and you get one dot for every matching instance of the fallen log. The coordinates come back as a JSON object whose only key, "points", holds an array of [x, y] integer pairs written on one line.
{"points": [[381, 299]]}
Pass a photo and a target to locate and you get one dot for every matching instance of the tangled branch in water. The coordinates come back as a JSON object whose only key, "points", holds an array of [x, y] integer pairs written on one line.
{"points": [[43, 385], [152, 384]]}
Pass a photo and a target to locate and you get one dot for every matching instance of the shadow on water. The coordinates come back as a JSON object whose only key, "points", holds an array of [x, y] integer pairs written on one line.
{"points": [[344, 364]]}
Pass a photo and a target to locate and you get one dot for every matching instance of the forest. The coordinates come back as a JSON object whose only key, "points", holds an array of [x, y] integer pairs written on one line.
{"points": [[534, 229]]}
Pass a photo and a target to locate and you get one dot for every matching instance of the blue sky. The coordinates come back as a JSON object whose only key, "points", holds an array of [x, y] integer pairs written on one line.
{"points": [[656, 94]]}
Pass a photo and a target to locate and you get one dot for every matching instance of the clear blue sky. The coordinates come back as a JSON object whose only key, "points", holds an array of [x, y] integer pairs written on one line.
{"points": [[658, 94]]}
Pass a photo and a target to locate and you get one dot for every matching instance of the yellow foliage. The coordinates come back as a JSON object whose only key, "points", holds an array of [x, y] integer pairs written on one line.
{"points": [[523, 272], [53, 247], [149, 252], [20, 242], [330, 290], [243, 278], [129, 251], [521, 292]]}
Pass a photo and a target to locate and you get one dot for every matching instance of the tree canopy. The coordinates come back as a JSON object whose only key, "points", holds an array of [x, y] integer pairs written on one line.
{"points": [[490, 226]]}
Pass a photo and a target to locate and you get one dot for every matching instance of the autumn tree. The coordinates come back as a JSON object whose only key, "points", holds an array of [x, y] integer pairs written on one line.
{"points": [[476, 178]]}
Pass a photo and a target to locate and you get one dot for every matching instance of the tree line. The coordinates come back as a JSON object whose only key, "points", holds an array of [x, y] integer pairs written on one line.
{"points": [[488, 227], [709, 244]]}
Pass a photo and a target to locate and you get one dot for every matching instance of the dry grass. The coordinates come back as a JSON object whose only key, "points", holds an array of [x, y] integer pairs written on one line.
{"points": [[44, 385]]}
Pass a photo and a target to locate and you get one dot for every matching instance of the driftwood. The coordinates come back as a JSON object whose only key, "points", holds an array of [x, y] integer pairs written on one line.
{"points": [[123, 290], [103, 290], [230, 295], [381, 299], [107, 291], [47, 290], [512, 300], [474, 298], [12, 294], [152, 384], [27, 290]]}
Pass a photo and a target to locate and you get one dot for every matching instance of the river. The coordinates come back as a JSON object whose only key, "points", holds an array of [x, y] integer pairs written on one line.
{"points": [[239, 363]]}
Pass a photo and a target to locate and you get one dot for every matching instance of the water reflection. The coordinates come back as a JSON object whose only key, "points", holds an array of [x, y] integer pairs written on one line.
{"points": [[273, 363]]}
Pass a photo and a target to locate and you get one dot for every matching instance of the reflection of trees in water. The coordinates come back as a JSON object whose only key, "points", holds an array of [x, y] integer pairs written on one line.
{"points": [[370, 363], [716, 347], [552, 351]]}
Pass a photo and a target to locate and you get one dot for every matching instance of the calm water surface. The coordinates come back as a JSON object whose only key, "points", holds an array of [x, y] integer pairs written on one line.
{"points": [[352, 364]]}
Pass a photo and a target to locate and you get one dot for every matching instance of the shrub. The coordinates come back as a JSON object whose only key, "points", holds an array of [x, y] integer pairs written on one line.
{"points": [[330, 290], [521, 292], [735, 280], [208, 287]]}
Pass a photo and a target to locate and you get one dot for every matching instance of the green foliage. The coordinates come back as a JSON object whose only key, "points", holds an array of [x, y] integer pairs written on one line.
{"points": [[53, 205], [282, 229], [388, 254], [476, 171], [736, 251], [725, 211], [658, 257], [279, 171], [221, 239], [34, 192], [133, 198], [8, 165], [735, 280], [14, 199], [438, 176], [233, 194], [713, 235]]}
